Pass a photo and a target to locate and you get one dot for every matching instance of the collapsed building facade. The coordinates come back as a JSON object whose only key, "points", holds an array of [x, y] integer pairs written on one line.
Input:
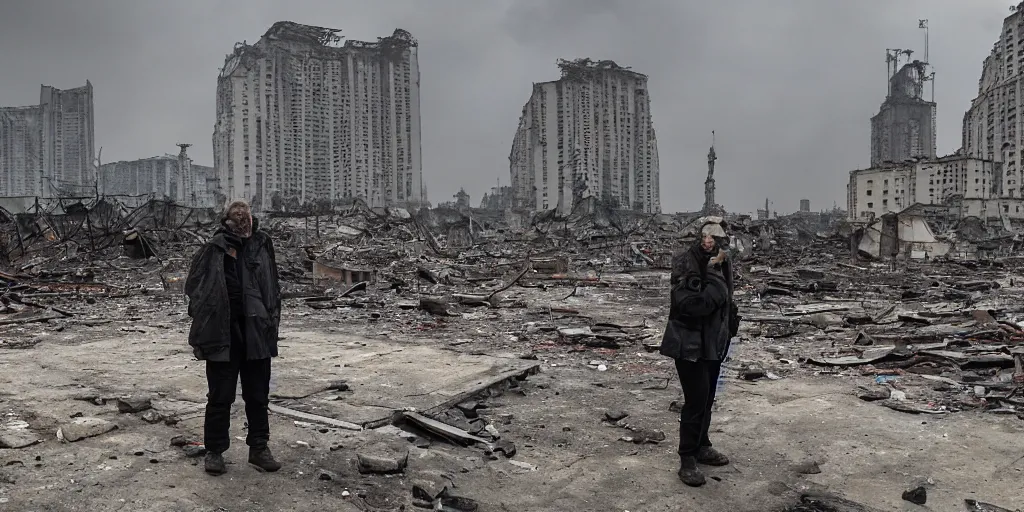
{"points": [[588, 134], [301, 118], [48, 149]]}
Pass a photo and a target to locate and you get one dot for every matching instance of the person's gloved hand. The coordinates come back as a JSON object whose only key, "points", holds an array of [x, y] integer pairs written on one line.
{"points": [[718, 258]]}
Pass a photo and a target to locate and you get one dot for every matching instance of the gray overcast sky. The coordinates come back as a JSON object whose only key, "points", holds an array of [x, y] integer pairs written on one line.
{"points": [[788, 85]]}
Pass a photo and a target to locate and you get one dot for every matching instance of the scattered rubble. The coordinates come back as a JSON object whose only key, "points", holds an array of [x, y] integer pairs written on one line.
{"points": [[977, 506], [82, 428], [134, 404], [917, 495], [383, 461], [935, 337], [807, 468], [15, 434]]}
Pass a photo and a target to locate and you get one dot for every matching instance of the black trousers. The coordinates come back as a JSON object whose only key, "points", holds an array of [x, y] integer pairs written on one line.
{"points": [[699, 380], [222, 379]]}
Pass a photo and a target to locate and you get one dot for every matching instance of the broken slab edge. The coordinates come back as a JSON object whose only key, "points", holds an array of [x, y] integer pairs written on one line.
{"points": [[501, 378]]}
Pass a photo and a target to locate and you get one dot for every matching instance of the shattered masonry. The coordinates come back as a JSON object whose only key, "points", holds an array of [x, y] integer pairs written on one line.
{"points": [[301, 119], [588, 134]]}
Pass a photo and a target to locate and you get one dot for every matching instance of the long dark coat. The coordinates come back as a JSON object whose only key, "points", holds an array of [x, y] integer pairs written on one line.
{"points": [[699, 313], [210, 310]]}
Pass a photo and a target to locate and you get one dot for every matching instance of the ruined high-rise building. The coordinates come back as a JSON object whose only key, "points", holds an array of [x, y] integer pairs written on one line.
{"points": [[904, 127], [21, 150], [302, 118], [991, 128], [588, 134], [49, 148]]}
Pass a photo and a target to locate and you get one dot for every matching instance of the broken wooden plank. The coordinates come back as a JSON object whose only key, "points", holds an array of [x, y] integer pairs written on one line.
{"points": [[313, 418], [459, 436]]}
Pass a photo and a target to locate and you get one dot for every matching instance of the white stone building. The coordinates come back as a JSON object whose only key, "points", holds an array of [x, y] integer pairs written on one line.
{"points": [[895, 187], [49, 149], [302, 118], [992, 126], [588, 134]]}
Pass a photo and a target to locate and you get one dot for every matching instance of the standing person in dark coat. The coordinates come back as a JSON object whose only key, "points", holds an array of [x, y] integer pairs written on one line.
{"points": [[235, 306], [702, 321]]}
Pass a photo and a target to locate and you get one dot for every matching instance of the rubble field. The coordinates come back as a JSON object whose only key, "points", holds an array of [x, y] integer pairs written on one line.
{"points": [[448, 360]]}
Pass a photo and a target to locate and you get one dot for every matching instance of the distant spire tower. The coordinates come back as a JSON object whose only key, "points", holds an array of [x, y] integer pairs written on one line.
{"points": [[709, 183]]}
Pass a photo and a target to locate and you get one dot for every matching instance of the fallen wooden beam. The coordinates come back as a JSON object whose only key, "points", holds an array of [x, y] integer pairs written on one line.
{"points": [[40, 318], [313, 418]]}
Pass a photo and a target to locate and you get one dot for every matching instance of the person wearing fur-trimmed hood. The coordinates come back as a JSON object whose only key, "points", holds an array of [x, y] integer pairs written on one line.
{"points": [[702, 321], [235, 305]]}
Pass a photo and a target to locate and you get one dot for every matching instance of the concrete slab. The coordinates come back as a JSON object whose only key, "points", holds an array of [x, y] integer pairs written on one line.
{"points": [[384, 376]]}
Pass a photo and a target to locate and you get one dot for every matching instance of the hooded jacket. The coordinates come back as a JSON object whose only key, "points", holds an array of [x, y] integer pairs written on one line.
{"points": [[209, 305], [699, 312]]}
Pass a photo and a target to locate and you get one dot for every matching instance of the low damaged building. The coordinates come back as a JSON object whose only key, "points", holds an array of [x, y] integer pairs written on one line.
{"points": [[172, 177], [965, 185], [973, 183]]}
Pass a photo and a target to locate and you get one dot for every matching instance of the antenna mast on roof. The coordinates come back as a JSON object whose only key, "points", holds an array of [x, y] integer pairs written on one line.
{"points": [[892, 66], [923, 24]]}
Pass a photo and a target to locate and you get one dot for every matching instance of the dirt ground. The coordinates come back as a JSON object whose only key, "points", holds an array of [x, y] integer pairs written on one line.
{"points": [[568, 457]]}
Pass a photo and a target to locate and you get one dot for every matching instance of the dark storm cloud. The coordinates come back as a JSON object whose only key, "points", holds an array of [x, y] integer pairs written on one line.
{"points": [[788, 85]]}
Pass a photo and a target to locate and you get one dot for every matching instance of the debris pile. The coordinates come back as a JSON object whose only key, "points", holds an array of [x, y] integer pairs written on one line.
{"points": [[922, 336]]}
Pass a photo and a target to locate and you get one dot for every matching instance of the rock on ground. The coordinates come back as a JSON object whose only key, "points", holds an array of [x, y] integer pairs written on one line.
{"points": [[82, 428], [382, 460], [13, 439]]}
